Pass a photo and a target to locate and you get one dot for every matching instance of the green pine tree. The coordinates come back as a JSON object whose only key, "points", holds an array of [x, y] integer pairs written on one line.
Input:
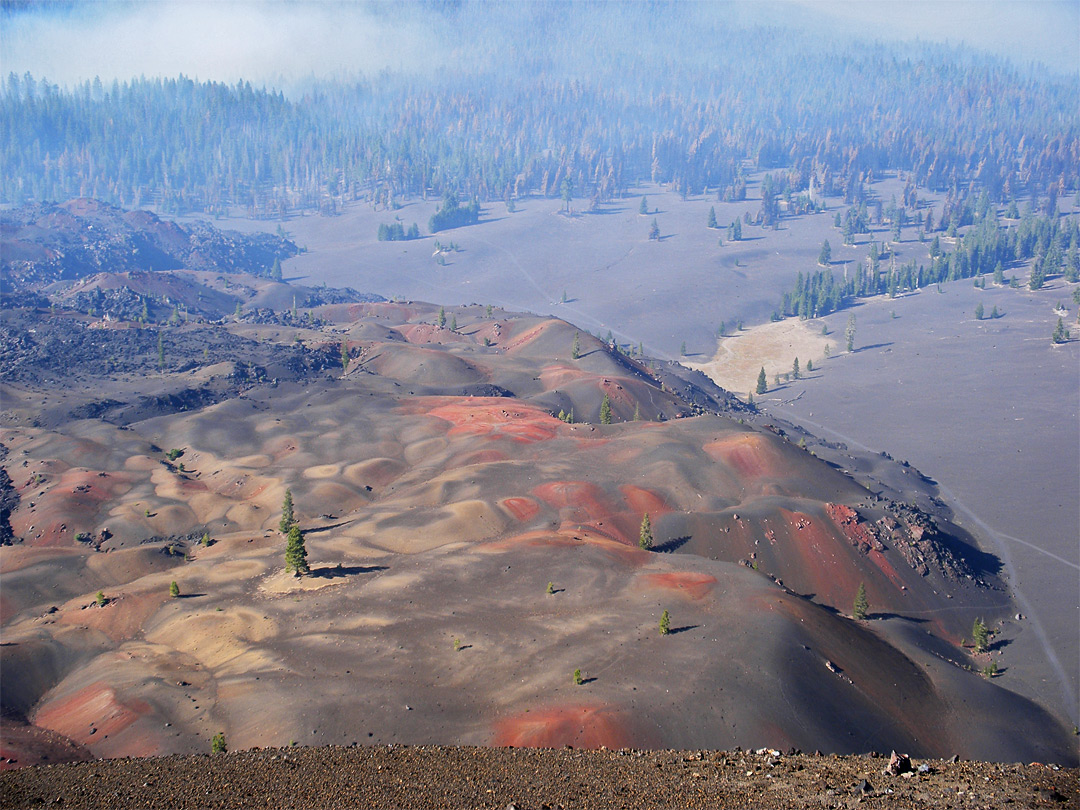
{"points": [[643, 209], [979, 311], [861, 606], [578, 680], [575, 350], [174, 589], [712, 217], [980, 635], [345, 356], [762, 382], [826, 254], [654, 230], [637, 412], [288, 515], [795, 369], [217, 744], [296, 553], [645, 538], [605, 410], [665, 623], [441, 317], [275, 271], [550, 588], [1060, 334], [849, 332]]}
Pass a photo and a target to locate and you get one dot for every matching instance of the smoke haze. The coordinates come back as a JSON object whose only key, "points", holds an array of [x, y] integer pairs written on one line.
{"points": [[283, 44]]}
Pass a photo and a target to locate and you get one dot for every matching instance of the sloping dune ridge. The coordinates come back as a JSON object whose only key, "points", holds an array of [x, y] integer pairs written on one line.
{"points": [[477, 571]]}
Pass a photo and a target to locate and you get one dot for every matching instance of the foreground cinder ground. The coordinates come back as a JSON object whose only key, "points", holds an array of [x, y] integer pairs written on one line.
{"points": [[440, 777]]}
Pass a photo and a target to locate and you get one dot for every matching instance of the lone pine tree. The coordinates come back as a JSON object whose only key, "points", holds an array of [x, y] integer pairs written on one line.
{"points": [[605, 410], [762, 382], [645, 538], [296, 553], [665, 623], [861, 605], [980, 635]]}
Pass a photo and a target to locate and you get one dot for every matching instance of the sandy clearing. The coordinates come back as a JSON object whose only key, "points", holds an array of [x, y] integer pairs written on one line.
{"points": [[772, 346]]}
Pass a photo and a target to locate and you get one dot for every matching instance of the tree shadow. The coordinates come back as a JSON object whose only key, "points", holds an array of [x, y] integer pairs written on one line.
{"points": [[999, 645], [886, 615], [189, 595], [671, 545], [590, 680], [665, 237], [327, 528], [336, 571], [872, 346], [672, 631]]}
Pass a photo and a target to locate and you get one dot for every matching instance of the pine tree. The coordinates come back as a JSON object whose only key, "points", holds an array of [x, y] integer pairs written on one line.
{"points": [[1061, 334], [795, 369], [605, 410], [665, 623], [994, 313], [345, 356], [637, 412], [645, 538], [453, 323], [643, 209], [550, 588], [217, 744], [809, 365], [980, 635], [762, 382], [275, 271], [682, 349], [288, 516], [296, 553], [826, 254], [174, 589], [575, 350], [861, 606], [441, 318], [712, 217], [654, 230], [979, 311], [849, 332], [577, 679]]}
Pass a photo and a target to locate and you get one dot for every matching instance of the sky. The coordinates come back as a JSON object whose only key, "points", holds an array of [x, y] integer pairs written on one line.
{"points": [[279, 42]]}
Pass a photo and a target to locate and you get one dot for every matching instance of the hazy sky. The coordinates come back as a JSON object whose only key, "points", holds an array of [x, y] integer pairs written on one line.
{"points": [[277, 41]]}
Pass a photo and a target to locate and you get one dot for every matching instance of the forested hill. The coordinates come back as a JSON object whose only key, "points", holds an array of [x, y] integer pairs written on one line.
{"points": [[696, 107]]}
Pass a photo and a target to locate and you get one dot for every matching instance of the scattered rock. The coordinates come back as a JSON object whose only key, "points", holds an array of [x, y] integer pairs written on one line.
{"points": [[898, 764]]}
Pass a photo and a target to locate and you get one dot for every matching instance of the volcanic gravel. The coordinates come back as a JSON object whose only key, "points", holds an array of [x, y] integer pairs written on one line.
{"points": [[528, 779]]}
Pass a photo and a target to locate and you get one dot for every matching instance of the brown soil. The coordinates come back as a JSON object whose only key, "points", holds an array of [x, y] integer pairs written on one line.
{"points": [[528, 779]]}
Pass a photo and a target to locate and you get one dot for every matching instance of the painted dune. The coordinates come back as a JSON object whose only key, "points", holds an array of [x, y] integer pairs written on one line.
{"points": [[469, 551]]}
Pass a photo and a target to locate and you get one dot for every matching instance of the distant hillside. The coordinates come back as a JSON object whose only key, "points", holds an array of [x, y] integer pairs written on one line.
{"points": [[44, 243]]}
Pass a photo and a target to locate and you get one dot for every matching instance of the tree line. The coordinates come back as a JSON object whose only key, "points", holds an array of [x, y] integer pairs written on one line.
{"points": [[770, 99]]}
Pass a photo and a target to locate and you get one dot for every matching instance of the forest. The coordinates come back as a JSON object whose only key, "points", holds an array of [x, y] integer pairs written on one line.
{"points": [[698, 110], [988, 248]]}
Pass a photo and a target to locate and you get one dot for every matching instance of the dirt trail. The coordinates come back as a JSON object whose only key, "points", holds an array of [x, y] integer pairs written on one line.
{"points": [[437, 777]]}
